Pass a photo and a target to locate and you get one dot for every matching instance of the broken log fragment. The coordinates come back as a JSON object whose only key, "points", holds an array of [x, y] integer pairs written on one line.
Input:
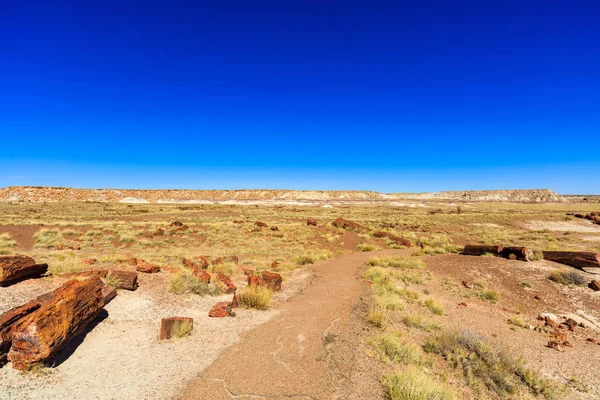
{"points": [[65, 313], [517, 253], [17, 268], [108, 294], [124, 279], [7, 320], [576, 259], [480, 250]]}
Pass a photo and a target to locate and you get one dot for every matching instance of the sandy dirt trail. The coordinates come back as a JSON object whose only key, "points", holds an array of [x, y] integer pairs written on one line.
{"points": [[289, 356]]}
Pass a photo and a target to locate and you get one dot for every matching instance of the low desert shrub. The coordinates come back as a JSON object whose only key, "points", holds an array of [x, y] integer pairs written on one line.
{"points": [[416, 321], [185, 282], [490, 295], [397, 262], [414, 384], [182, 328], [47, 237], [304, 260], [367, 247], [257, 297], [434, 306], [377, 318], [568, 278], [391, 348]]}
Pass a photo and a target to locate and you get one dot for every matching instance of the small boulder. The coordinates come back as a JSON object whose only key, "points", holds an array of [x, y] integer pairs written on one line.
{"points": [[561, 337], [595, 286], [227, 283], [202, 262], [60, 247], [275, 228], [261, 224], [176, 224], [147, 268], [248, 271], [91, 261], [537, 297], [201, 274], [171, 327], [463, 304], [189, 264], [159, 232], [221, 309], [555, 345], [275, 264], [124, 279], [570, 323], [272, 280], [254, 280], [468, 284], [311, 222], [75, 247]]}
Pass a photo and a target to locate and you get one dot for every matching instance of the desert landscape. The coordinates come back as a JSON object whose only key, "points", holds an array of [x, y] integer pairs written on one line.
{"points": [[114, 294]]}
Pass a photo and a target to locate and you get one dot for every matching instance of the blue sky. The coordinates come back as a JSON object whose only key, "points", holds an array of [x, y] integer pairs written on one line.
{"points": [[380, 95]]}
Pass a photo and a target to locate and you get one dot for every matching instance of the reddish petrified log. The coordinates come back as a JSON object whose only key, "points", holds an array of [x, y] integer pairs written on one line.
{"points": [[7, 320], [311, 222], [595, 286], [576, 259], [517, 253], [65, 314], [272, 280], [479, 250], [254, 280], [124, 279], [349, 225], [227, 283], [261, 224], [108, 294], [189, 264], [169, 325], [147, 268], [400, 241], [16, 268]]}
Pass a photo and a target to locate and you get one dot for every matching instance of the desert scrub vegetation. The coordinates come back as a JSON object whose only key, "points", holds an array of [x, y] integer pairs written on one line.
{"points": [[437, 244], [257, 297], [6, 243], [568, 278], [389, 301], [47, 237], [182, 328], [434, 306], [184, 282], [488, 369], [413, 383], [367, 247], [64, 262], [418, 322], [391, 348], [377, 318], [490, 295], [397, 262]]}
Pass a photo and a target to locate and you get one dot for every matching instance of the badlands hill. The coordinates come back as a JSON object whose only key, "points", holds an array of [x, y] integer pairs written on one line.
{"points": [[37, 194]]}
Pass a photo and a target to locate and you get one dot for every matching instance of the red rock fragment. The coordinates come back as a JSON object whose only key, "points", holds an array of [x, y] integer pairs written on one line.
{"points": [[235, 301], [311, 222], [275, 228], [221, 309], [202, 262], [176, 224], [595, 286], [227, 283], [261, 224], [561, 337], [570, 323], [159, 232], [60, 247], [248, 271], [124, 279], [147, 268], [555, 345], [76, 247], [189, 264], [463, 304], [254, 280], [272, 280], [201, 274], [538, 297], [169, 325], [468, 284], [91, 261]]}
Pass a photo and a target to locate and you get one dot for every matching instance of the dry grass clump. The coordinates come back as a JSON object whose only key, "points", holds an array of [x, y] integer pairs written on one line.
{"points": [[390, 301], [185, 282], [490, 295], [376, 274], [367, 247], [257, 297], [47, 237], [182, 328], [488, 369], [377, 318], [416, 321], [434, 306], [568, 278], [65, 262], [397, 262], [414, 384], [305, 259], [391, 348], [111, 280], [6, 243]]}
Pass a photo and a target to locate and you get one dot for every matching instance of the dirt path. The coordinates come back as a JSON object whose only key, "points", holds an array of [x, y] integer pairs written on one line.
{"points": [[289, 356]]}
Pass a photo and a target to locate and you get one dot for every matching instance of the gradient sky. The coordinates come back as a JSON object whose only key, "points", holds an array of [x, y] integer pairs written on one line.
{"points": [[380, 95]]}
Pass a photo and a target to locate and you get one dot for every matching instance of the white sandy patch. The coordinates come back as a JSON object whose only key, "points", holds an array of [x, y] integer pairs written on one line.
{"points": [[134, 200], [570, 226], [488, 225], [398, 204]]}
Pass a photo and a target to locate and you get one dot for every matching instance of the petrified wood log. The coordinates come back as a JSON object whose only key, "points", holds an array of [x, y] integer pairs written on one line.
{"points": [[125, 279], [108, 293], [272, 280], [63, 314], [577, 259], [400, 241], [14, 268], [348, 225], [517, 253], [479, 250], [7, 320]]}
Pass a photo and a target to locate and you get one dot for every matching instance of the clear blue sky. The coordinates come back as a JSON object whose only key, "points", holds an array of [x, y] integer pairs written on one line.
{"points": [[380, 95]]}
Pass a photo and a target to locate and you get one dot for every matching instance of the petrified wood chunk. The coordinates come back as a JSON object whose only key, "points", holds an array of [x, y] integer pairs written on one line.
{"points": [[170, 326], [576, 259], [7, 320], [479, 250], [14, 268], [64, 314], [272, 280], [126, 279], [517, 253]]}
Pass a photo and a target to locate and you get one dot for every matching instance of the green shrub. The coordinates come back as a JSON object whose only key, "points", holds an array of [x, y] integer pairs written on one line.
{"points": [[257, 297]]}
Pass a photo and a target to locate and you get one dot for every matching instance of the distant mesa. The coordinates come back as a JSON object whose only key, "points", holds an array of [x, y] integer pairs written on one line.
{"points": [[39, 194]]}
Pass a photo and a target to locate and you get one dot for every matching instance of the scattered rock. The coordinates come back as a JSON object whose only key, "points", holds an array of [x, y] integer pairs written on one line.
{"points": [[275, 265], [396, 239], [570, 323], [227, 283], [76, 247], [189, 264], [311, 222], [592, 340], [556, 346], [275, 228], [595, 286], [463, 304], [348, 225], [248, 271], [546, 316], [561, 337], [159, 232], [468, 284], [261, 224], [60, 247], [168, 326], [272, 280], [125, 279], [91, 261], [201, 274], [217, 261], [537, 297], [235, 301], [221, 309], [202, 262], [147, 268], [254, 280], [176, 224]]}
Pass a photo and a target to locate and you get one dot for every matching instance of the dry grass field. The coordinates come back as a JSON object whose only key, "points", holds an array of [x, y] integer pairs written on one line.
{"points": [[416, 332]]}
